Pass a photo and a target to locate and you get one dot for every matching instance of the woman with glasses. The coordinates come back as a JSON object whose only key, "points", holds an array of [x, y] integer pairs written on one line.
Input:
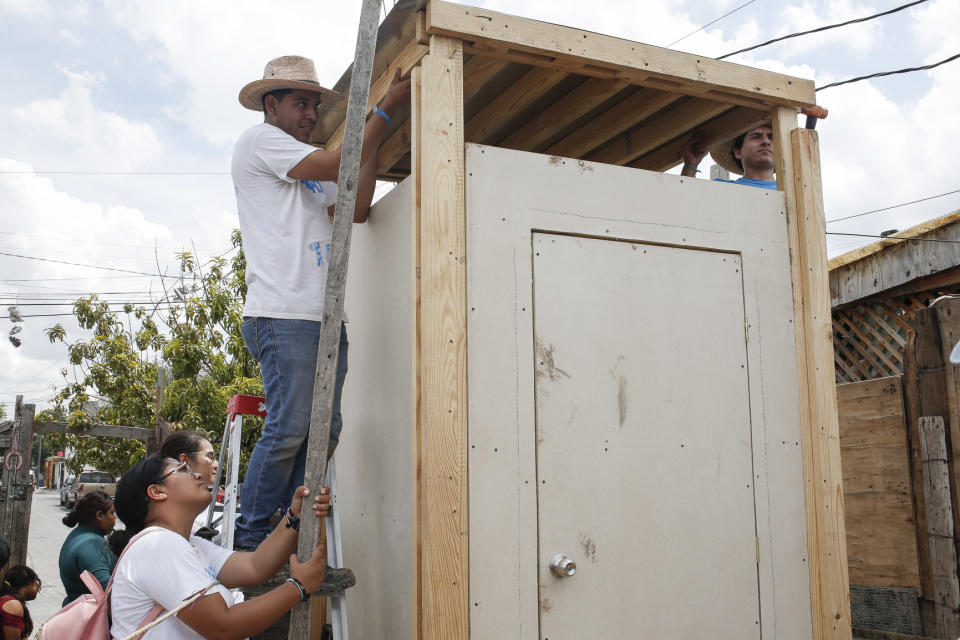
{"points": [[85, 548], [167, 565], [192, 447], [20, 584]]}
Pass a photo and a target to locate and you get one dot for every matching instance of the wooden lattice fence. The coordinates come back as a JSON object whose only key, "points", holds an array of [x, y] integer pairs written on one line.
{"points": [[868, 338]]}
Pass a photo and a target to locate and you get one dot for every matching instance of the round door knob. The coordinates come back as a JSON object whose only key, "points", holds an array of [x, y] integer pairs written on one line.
{"points": [[562, 567]]}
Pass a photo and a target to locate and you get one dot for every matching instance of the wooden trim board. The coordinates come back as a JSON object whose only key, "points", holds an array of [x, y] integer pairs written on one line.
{"points": [[829, 580], [443, 472], [595, 54]]}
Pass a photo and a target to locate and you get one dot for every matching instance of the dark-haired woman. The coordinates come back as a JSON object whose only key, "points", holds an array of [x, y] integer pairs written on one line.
{"points": [[20, 584], [194, 448], [166, 565], [85, 548]]}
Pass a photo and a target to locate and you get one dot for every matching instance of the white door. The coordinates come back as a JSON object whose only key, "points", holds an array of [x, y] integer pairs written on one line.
{"points": [[633, 405], [644, 461]]}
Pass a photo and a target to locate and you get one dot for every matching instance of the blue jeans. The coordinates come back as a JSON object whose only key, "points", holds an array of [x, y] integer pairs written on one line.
{"points": [[287, 353]]}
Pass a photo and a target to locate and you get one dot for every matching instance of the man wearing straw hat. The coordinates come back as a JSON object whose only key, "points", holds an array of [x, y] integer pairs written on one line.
{"points": [[285, 196], [750, 154]]}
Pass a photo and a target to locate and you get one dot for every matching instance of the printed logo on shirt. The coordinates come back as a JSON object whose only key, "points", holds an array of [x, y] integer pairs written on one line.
{"points": [[322, 249], [210, 572], [313, 185]]}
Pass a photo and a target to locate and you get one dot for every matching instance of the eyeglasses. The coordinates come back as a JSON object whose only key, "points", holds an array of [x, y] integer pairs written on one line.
{"points": [[209, 455], [182, 467]]}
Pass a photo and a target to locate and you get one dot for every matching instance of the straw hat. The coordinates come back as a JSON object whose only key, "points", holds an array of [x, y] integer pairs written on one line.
{"points": [[285, 72], [722, 153]]}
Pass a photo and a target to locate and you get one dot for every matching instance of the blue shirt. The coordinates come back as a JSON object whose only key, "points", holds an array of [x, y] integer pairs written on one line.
{"points": [[84, 550], [762, 184]]}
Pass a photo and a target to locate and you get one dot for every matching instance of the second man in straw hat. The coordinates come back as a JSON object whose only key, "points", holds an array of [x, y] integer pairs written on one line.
{"points": [[285, 190]]}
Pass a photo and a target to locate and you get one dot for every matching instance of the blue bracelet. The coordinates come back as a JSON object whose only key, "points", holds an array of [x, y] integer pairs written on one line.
{"points": [[383, 114], [303, 592]]}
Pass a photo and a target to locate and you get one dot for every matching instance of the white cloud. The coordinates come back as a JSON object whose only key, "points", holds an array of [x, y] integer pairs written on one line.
{"points": [[69, 37], [215, 48], [90, 137], [53, 225]]}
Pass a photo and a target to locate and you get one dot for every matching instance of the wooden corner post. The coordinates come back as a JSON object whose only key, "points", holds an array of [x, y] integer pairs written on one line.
{"points": [[798, 176], [442, 490]]}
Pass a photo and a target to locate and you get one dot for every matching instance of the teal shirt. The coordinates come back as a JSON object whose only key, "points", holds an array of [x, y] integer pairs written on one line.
{"points": [[85, 549]]}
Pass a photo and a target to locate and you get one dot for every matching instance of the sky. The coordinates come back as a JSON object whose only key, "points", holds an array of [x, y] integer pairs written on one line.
{"points": [[118, 119]]}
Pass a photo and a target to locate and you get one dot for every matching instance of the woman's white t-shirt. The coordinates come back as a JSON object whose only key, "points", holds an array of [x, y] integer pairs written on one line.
{"points": [[163, 567]]}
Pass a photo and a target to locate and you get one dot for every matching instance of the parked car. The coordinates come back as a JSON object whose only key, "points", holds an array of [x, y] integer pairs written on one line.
{"points": [[89, 481], [65, 488]]}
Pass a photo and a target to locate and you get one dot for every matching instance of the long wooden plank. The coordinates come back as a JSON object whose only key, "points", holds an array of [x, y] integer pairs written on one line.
{"points": [[416, 128], [321, 411], [443, 430], [477, 71], [406, 60], [623, 115], [632, 61], [586, 97], [97, 430], [940, 530], [393, 148], [495, 117], [829, 578], [881, 535], [659, 130], [913, 410], [726, 127], [948, 319]]}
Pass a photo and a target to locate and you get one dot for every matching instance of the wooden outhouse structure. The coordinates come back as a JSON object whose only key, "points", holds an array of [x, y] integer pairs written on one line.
{"points": [[560, 352]]}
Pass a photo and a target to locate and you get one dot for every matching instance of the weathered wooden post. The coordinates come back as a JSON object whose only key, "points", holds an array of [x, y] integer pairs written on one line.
{"points": [[17, 489]]}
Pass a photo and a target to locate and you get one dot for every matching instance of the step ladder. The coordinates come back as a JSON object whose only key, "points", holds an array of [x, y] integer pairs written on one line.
{"points": [[244, 405]]}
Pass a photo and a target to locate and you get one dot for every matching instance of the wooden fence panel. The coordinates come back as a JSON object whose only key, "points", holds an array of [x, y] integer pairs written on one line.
{"points": [[874, 455]]}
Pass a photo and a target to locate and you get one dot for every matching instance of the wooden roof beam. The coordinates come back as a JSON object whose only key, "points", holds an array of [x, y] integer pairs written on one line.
{"points": [[558, 45], [587, 96], [719, 130], [623, 115], [406, 60], [496, 116], [477, 71], [659, 130]]}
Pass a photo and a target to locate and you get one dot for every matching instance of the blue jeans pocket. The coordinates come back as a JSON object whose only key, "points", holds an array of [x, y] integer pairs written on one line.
{"points": [[248, 329]]}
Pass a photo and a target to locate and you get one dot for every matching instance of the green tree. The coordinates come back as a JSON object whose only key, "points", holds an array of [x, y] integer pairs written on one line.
{"points": [[188, 345]]}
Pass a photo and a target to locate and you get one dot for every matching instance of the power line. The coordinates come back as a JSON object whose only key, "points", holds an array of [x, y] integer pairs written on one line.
{"points": [[60, 315], [94, 266], [123, 173], [71, 278], [890, 73], [91, 266], [865, 213], [824, 28], [75, 241], [868, 235], [710, 23]]}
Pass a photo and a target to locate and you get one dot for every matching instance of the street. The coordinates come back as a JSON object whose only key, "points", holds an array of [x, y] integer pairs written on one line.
{"points": [[47, 534]]}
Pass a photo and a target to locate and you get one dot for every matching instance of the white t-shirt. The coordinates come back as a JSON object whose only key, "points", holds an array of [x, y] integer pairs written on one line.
{"points": [[162, 567], [285, 225]]}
